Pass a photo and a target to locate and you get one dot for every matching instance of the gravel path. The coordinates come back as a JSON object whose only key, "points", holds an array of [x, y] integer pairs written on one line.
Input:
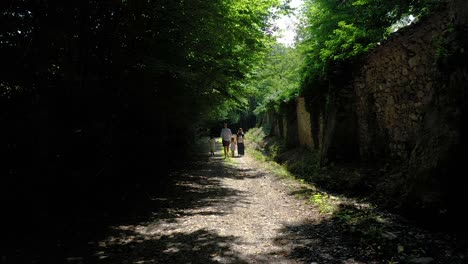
{"points": [[233, 211], [220, 211]]}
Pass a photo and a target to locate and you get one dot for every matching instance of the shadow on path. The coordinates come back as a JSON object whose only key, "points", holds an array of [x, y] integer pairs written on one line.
{"points": [[354, 235], [195, 189], [200, 246]]}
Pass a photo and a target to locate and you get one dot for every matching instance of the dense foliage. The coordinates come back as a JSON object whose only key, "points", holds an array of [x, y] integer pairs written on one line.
{"points": [[330, 33], [335, 31], [98, 97], [276, 80]]}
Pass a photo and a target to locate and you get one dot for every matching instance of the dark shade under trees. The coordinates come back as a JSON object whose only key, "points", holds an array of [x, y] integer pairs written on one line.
{"points": [[99, 98]]}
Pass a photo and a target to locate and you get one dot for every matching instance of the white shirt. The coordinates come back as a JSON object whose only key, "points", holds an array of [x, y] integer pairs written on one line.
{"points": [[240, 139], [226, 134]]}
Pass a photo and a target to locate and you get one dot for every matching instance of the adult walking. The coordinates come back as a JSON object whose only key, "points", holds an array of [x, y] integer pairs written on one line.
{"points": [[240, 142], [226, 135]]}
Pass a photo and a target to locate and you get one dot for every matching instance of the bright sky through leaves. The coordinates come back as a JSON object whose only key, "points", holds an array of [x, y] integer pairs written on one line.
{"points": [[285, 26]]}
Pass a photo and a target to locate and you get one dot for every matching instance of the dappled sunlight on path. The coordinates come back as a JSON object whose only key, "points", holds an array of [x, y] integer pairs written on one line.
{"points": [[219, 211], [235, 210]]}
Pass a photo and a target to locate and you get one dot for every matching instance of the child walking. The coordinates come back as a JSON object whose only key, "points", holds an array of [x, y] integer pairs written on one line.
{"points": [[233, 146], [211, 144]]}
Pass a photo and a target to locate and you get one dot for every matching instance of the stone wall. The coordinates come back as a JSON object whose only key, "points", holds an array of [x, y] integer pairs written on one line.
{"points": [[304, 128], [399, 109], [289, 122], [409, 103], [336, 119], [395, 87], [397, 102]]}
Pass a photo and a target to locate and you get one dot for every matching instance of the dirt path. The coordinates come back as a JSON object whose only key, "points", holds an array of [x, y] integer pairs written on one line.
{"points": [[232, 211], [219, 212]]}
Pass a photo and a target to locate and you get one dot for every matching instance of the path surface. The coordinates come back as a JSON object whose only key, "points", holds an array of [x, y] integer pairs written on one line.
{"points": [[231, 211], [220, 212]]}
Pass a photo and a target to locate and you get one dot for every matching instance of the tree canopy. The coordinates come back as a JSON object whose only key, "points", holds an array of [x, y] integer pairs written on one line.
{"points": [[85, 76], [276, 80], [93, 92]]}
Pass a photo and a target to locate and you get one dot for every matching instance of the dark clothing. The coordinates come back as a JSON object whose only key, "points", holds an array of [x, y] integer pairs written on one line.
{"points": [[240, 148], [240, 143], [226, 143]]}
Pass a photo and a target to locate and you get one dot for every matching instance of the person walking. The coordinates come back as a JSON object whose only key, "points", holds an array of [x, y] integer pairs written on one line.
{"points": [[233, 146], [211, 144], [226, 135], [240, 142]]}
